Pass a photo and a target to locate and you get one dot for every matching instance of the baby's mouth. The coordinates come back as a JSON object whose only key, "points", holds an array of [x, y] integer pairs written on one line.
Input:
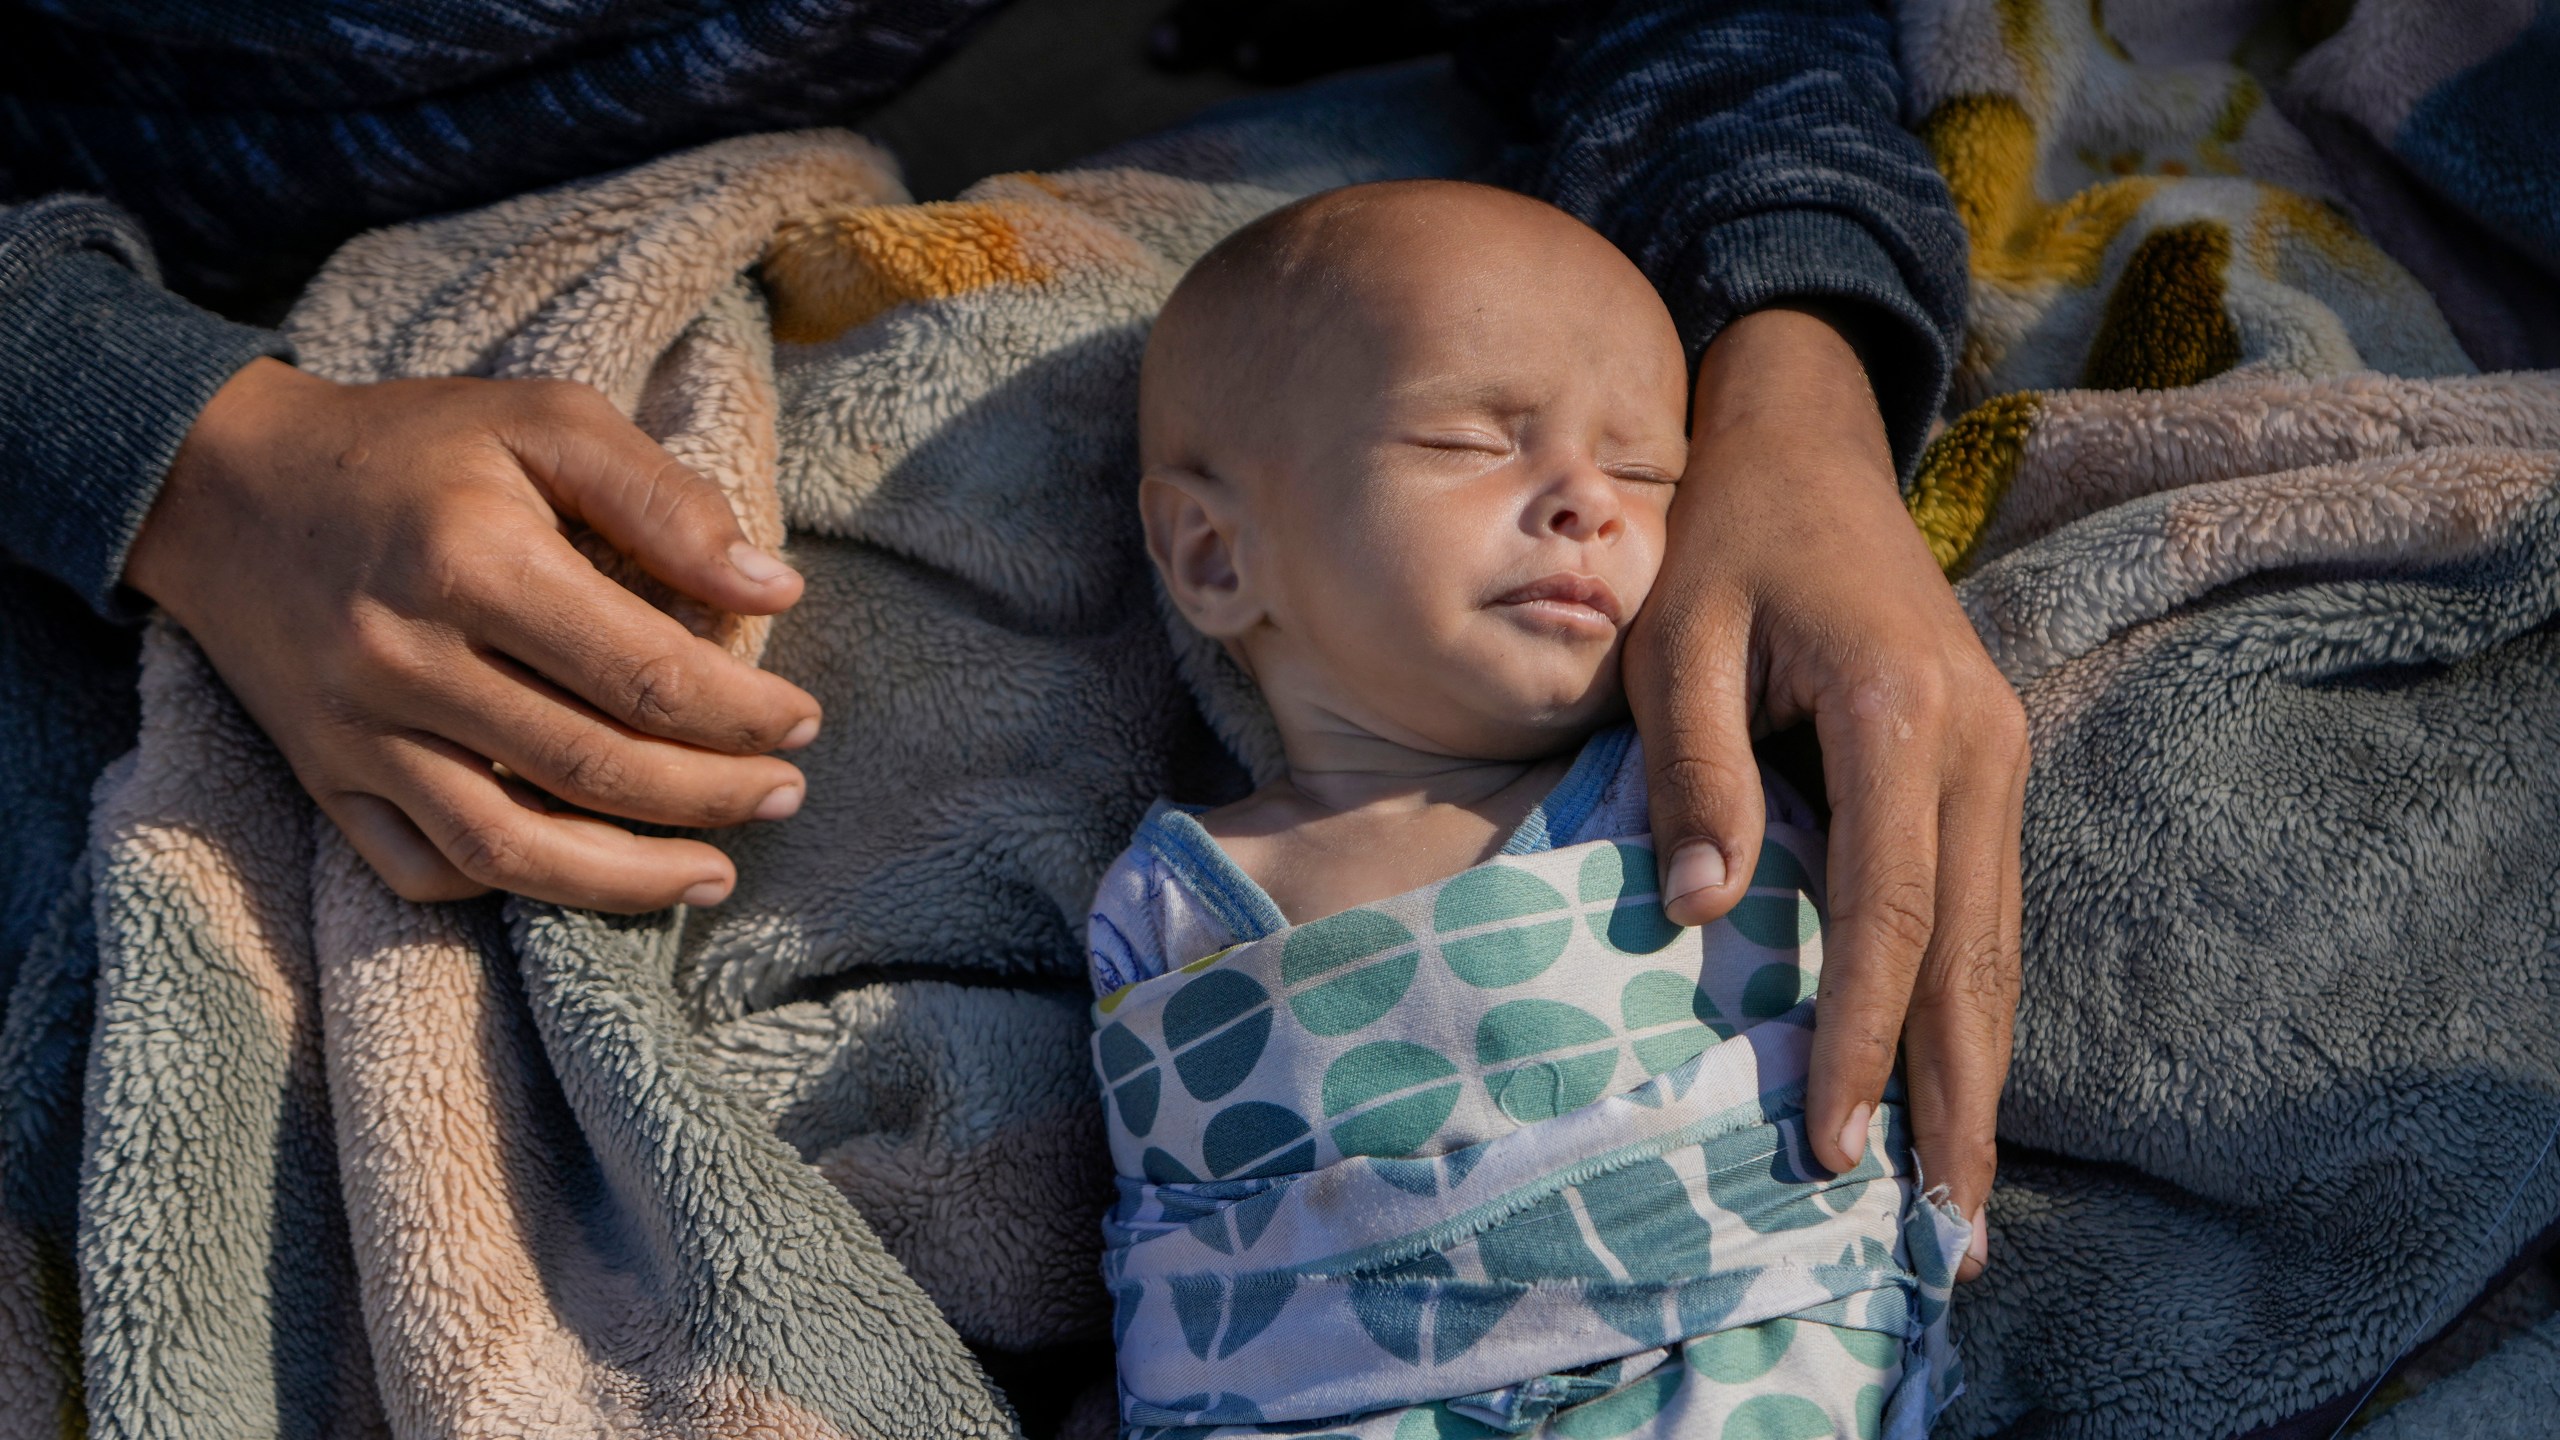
{"points": [[1574, 601]]}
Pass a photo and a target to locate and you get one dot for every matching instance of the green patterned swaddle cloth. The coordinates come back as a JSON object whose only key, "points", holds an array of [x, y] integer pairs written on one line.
{"points": [[1512, 1154]]}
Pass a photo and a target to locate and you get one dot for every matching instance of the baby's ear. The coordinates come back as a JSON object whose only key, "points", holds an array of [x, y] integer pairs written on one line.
{"points": [[1191, 521]]}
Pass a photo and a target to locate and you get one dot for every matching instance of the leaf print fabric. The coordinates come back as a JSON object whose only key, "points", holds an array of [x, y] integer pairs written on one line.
{"points": [[1512, 1154]]}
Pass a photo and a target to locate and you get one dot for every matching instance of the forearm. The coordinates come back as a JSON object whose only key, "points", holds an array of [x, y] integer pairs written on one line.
{"points": [[1750, 153], [1788, 370], [102, 373]]}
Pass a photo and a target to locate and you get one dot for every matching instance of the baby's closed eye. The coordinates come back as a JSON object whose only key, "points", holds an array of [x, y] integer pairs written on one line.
{"points": [[1478, 442], [1640, 472]]}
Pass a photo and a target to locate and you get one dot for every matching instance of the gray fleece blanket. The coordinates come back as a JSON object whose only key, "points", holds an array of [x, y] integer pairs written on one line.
{"points": [[282, 1155]]}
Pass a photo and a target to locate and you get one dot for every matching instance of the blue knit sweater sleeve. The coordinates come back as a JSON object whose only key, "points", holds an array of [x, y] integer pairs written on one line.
{"points": [[1749, 152], [102, 373]]}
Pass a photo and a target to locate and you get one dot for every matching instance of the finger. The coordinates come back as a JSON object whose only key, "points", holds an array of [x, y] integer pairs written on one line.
{"points": [[566, 621], [414, 869], [1964, 1005], [495, 707], [1687, 685], [1882, 878], [1956, 1039], [503, 839], [600, 469]]}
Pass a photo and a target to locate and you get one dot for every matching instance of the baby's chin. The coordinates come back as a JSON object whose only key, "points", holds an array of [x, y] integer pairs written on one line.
{"points": [[1499, 717]]}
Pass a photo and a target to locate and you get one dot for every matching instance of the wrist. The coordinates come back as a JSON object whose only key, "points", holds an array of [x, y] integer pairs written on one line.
{"points": [[1791, 373], [199, 510]]}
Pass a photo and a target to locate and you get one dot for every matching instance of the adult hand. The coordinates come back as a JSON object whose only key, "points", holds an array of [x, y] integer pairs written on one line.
{"points": [[381, 574], [1796, 588]]}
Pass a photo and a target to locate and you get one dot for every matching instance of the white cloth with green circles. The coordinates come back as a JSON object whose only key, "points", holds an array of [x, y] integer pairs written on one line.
{"points": [[1512, 1154]]}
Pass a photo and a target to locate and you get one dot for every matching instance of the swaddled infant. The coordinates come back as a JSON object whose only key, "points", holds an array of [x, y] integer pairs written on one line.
{"points": [[1393, 1139]]}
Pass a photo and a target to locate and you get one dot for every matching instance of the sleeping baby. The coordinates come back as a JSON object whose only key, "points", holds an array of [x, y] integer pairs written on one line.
{"points": [[1428, 1121]]}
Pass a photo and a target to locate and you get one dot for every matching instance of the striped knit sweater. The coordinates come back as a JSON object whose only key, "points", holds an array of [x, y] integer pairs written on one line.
{"points": [[1744, 151]]}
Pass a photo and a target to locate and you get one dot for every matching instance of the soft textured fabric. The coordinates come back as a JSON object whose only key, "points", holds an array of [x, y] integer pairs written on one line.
{"points": [[1512, 1149], [2143, 223], [2514, 1394], [2286, 1045], [2431, 114], [1174, 895], [286, 1156]]}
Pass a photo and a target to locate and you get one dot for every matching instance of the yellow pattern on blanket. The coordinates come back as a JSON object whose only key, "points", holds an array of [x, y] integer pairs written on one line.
{"points": [[2143, 217]]}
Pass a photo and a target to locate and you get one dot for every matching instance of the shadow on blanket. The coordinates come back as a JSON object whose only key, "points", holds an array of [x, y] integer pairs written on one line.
{"points": [[326, 1163]]}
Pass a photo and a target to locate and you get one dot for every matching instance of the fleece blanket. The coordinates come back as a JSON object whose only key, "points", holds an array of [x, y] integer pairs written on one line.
{"points": [[1396, 1168], [286, 1156], [280, 1155], [2274, 573]]}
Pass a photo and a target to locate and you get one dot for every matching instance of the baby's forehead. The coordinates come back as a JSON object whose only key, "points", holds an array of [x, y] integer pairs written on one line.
{"points": [[1443, 291]]}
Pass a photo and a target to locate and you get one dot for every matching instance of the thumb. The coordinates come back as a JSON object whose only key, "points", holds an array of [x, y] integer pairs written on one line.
{"points": [[1686, 684], [601, 470]]}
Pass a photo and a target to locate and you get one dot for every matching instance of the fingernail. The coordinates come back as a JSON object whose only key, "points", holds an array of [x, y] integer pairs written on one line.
{"points": [[801, 734], [707, 892], [1978, 1249], [1853, 1134], [755, 564], [1696, 866], [782, 804]]}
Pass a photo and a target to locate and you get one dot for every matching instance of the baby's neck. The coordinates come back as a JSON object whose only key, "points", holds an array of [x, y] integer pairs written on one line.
{"points": [[1356, 823]]}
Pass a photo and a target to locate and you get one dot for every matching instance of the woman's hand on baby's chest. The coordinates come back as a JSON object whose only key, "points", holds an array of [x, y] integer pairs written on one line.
{"points": [[1796, 590]]}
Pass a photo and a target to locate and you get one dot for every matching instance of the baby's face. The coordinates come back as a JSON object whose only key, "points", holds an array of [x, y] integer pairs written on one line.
{"points": [[1460, 502]]}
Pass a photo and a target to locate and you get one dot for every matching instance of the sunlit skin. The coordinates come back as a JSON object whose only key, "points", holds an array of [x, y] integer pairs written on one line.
{"points": [[1424, 529]]}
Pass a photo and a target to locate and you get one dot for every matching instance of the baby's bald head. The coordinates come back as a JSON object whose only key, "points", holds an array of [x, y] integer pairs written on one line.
{"points": [[1271, 307]]}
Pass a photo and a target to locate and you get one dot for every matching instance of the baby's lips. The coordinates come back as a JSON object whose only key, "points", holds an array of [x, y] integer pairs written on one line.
{"points": [[1570, 588]]}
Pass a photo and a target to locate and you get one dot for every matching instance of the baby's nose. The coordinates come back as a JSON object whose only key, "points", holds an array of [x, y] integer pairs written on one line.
{"points": [[1580, 510]]}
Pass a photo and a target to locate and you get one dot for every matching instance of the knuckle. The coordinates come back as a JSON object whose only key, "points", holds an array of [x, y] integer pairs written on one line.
{"points": [[656, 693], [589, 766], [489, 851], [1977, 972], [448, 571], [1900, 702], [1898, 906], [373, 643], [679, 498], [1925, 693], [372, 654]]}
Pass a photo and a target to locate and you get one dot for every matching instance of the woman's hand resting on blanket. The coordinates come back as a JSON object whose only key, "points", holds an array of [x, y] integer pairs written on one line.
{"points": [[1797, 589], [380, 574]]}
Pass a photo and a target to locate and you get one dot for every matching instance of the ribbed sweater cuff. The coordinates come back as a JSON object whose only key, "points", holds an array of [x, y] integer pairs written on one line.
{"points": [[1818, 256], [102, 374]]}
